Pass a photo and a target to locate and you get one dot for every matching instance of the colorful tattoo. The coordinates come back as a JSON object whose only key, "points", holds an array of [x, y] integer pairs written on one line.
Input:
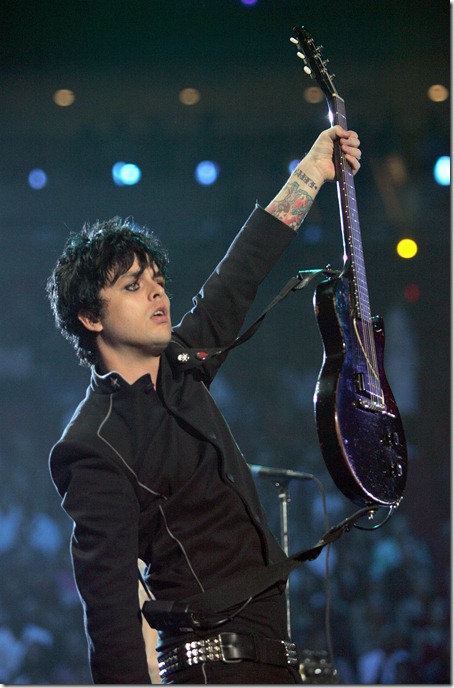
{"points": [[293, 207]]}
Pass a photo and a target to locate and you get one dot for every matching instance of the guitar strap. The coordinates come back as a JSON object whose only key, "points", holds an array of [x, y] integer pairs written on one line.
{"points": [[192, 357], [208, 609], [204, 609]]}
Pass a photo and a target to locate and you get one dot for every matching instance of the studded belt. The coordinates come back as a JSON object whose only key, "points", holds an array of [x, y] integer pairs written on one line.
{"points": [[227, 647]]}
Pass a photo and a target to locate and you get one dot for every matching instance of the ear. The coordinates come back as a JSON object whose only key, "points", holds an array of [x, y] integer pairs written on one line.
{"points": [[89, 321]]}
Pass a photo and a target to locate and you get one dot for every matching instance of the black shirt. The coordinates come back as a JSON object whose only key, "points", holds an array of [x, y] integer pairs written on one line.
{"points": [[157, 475]]}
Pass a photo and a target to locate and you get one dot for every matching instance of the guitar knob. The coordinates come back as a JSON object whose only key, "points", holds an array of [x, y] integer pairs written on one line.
{"points": [[396, 469], [391, 439]]}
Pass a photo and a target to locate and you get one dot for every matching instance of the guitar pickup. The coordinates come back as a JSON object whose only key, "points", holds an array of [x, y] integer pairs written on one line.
{"points": [[360, 383], [367, 400]]}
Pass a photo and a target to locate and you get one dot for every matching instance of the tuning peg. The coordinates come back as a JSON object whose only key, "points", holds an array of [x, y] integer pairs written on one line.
{"points": [[301, 55], [293, 40]]}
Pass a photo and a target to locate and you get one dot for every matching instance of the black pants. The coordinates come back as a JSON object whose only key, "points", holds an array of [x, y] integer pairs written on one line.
{"points": [[243, 672]]}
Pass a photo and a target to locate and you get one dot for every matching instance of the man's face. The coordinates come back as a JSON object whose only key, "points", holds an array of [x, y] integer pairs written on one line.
{"points": [[135, 320]]}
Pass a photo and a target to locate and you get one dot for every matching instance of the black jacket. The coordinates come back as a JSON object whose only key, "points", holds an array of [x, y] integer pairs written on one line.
{"points": [[157, 475]]}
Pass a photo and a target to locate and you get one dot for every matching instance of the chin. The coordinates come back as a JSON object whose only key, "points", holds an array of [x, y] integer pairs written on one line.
{"points": [[160, 347]]}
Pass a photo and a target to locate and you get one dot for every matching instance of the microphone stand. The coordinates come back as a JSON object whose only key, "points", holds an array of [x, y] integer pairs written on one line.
{"points": [[284, 500], [281, 479]]}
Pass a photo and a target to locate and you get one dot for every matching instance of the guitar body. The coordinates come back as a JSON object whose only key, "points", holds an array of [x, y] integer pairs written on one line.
{"points": [[362, 442]]}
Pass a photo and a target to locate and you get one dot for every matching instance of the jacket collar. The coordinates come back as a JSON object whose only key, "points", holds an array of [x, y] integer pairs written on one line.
{"points": [[171, 369], [113, 382]]}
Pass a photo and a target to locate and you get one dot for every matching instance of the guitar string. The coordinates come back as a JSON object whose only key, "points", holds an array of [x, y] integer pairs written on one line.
{"points": [[368, 345], [368, 348], [363, 307]]}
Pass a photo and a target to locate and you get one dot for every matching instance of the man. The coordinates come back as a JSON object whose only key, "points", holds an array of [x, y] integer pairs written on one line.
{"points": [[147, 467]]}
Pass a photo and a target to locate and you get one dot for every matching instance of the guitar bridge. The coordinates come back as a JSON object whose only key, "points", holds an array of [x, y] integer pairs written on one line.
{"points": [[367, 400]]}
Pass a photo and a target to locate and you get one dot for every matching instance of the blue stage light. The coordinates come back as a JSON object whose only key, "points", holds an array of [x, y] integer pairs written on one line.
{"points": [[206, 172], [442, 170], [126, 174], [37, 179], [312, 233]]}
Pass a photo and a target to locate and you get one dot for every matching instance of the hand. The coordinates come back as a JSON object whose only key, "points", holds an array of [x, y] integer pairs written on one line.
{"points": [[321, 153], [294, 200]]}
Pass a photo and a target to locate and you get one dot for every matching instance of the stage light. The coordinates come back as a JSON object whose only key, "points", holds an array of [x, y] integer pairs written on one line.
{"points": [[292, 165], [126, 174], [312, 233], [407, 248], [397, 169], [37, 179], [313, 94], [442, 170], [412, 293], [249, 2], [206, 172], [189, 96], [64, 97], [438, 93]]}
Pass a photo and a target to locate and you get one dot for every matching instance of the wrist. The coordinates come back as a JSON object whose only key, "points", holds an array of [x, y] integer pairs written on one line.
{"points": [[309, 173], [295, 199], [311, 182]]}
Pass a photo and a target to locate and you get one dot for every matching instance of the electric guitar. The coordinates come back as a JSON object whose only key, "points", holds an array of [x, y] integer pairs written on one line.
{"points": [[358, 423]]}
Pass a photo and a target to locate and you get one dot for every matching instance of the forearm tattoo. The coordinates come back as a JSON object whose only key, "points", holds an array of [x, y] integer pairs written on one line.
{"points": [[307, 180], [293, 206]]}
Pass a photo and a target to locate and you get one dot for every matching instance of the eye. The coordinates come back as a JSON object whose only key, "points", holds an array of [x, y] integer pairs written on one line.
{"points": [[132, 286], [159, 279]]}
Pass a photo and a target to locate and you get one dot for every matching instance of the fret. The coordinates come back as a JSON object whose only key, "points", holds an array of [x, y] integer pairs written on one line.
{"points": [[354, 264], [353, 249]]}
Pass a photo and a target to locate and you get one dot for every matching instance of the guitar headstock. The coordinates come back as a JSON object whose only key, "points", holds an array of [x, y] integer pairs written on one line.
{"points": [[314, 65]]}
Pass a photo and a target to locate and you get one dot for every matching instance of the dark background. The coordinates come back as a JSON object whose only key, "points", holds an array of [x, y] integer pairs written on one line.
{"points": [[126, 63]]}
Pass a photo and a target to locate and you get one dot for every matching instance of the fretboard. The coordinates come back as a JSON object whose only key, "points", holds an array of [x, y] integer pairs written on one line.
{"points": [[354, 265]]}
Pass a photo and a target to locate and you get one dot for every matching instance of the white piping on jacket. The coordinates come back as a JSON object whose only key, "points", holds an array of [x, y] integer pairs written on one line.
{"points": [[180, 544], [182, 548], [158, 494]]}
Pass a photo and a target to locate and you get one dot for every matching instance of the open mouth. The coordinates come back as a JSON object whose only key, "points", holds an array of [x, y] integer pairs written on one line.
{"points": [[160, 314]]}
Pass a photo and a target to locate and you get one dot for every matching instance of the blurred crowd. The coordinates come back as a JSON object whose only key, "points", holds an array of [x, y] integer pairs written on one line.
{"points": [[389, 608]]}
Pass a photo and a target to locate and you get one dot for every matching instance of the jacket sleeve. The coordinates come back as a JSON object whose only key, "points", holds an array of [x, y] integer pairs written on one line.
{"points": [[104, 507], [219, 309]]}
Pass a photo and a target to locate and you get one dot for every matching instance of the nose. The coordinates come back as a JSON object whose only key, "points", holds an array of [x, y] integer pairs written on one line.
{"points": [[156, 290]]}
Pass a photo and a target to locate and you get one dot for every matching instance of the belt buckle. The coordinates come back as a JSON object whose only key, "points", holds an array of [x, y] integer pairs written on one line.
{"points": [[221, 648]]}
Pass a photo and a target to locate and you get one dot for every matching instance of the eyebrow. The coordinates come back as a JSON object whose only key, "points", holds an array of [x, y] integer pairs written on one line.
{"points": [[137, 273], [127, 275]]}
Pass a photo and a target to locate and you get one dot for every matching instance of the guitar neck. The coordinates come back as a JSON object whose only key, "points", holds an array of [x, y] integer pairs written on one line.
{"points": [[354, 266]]}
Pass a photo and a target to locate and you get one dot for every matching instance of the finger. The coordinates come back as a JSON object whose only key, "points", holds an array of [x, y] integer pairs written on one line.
{"points": [[350, 142], [350, 150], [337, 132], [354, 163], [342, 133]]}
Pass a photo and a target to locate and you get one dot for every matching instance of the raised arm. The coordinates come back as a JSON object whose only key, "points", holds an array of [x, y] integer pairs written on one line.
{"points": [[224, 300], [294, 200]]}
